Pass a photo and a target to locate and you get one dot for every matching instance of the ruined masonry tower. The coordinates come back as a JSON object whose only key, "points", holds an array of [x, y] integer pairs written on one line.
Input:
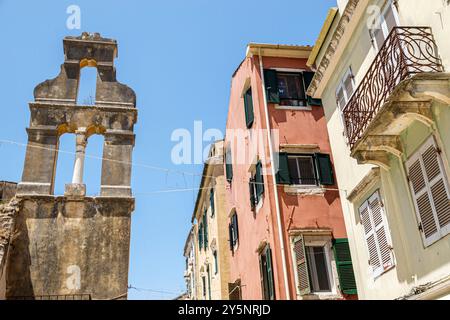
{"points": [[74, 246]]}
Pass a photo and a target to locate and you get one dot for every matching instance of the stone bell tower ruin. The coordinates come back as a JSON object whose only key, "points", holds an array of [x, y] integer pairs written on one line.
{"points": [[74, 246]]}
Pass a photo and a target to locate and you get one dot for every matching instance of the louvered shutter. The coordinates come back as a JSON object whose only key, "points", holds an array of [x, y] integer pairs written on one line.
{"points": [[301, 266], [230, 235], [325, 169], [200, 236], [375, 229], [211, 202], [307, 78], [248, 106], [270, 279], [378, 220], [205, 230], [259, 182], [344, 266], [236, 227], [251, 189], [374, 257], [282, 174], [430, 192], [229, 165], [271, 81]]}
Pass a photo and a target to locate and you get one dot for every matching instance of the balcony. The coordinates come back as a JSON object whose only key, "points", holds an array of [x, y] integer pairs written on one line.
{"points": [[407, 52]]}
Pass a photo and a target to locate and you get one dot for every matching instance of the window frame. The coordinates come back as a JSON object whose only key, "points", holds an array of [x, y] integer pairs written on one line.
{"points": [[312, 156], [327, 254], [302, 83], [383, 24], [341, 86]]}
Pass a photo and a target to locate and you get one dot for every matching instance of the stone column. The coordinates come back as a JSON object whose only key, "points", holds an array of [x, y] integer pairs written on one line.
{"points": [[77, 188]]}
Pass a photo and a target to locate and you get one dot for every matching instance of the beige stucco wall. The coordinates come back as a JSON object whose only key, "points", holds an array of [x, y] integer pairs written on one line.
{"points": [[217, 234], [415, 264]]}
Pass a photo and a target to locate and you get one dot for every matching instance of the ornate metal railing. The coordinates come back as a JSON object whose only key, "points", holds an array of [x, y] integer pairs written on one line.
{"points": [[407, 51]]}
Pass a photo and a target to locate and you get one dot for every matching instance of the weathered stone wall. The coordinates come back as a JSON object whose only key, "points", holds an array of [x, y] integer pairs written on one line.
{"points": [[8, 212], [67, 246]]}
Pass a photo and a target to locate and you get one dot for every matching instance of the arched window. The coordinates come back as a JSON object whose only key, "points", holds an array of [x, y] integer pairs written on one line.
{"points": [[93, 164], [64, 163], [87, 86]]}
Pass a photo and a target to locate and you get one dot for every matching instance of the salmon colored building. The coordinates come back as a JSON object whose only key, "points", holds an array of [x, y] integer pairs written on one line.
{"points": [[286, 229]]}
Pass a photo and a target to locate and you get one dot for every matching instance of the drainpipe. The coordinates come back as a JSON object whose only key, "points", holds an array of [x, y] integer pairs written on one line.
{"points": [[274, 180]]}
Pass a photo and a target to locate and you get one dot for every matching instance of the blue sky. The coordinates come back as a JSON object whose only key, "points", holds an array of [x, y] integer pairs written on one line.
{"points": [[178, 56]]}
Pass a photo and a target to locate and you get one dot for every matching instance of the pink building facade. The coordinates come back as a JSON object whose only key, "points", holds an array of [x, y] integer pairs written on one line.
{"points": [[287, 232]]}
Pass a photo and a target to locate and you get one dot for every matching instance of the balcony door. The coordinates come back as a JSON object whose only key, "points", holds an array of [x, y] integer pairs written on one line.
{"points": [[384, 24]]}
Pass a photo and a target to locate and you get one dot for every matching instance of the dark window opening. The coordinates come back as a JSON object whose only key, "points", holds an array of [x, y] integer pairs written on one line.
{"points": [[318, 269], [267, 284], [291, 89], [302, 170]]}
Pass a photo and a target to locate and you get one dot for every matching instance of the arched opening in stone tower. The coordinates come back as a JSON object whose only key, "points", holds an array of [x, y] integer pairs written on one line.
{"points": [[93, 164], [64, 162], [87, 86]]}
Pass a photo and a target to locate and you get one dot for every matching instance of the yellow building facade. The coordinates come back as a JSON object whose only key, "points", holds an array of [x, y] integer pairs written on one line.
{"points": [[381, 72], [210, 232]]}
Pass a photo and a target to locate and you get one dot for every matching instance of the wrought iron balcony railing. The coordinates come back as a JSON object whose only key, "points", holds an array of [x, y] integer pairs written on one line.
{"points": [[407, 51]]}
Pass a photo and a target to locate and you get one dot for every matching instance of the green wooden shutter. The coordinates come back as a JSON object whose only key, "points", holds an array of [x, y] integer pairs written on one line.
{"points": [[205, 230], [282, 175], [200, 236], [271, 81], [325, 169], [270, 280], [251, 186], [235, 226], [262, 274], [344, 266], [229, 165], [259, 181], [248, 106], [230, 235], [308, 76], [211, 202]]}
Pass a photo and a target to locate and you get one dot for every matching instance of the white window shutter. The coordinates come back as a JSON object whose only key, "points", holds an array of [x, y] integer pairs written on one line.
{"points": [[430, 191], [372, 247], [301, 265], [377, 239], [380, 226]]}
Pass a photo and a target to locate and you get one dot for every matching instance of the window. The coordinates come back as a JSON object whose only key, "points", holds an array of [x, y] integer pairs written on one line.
{"points": [[265, 265], [234, 231], [312, 262], [256, 185], [345, 89], [289, 88], [211, 202], [216, 262], [204, 287], [388, 20], [305, 169], [302, 170], [318, 268], [248, 106], [228, 164], [429, 188], [376, 233]]}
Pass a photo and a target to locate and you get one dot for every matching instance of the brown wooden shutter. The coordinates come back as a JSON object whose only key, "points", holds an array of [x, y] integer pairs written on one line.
{"points": [[301, 266]]}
